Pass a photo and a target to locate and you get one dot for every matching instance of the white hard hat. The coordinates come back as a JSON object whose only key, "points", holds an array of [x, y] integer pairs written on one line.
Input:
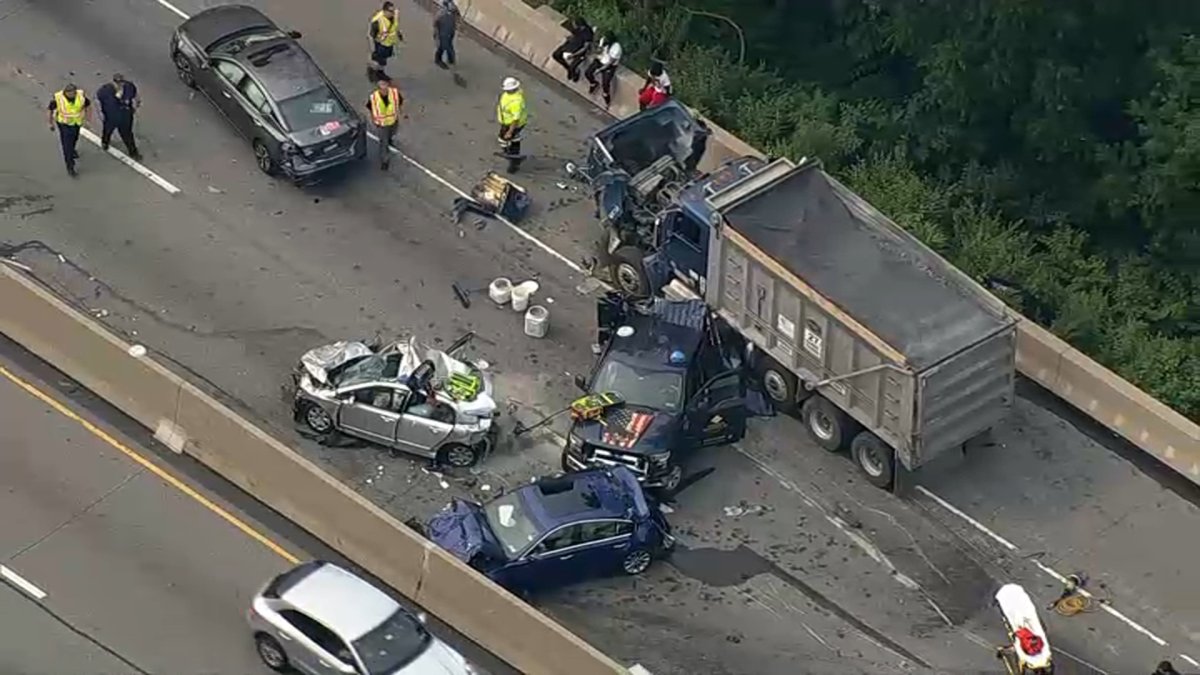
{"points": [[511, 84]]}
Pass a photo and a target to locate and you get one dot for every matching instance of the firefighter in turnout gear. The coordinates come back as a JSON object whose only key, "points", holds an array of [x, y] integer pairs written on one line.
{"points": [[385, 34], [512, 117], [384, 104]]}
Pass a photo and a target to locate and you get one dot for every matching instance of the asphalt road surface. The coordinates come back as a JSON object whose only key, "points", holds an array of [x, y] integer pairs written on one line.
{"points": [[787, 556], [117, 557]]}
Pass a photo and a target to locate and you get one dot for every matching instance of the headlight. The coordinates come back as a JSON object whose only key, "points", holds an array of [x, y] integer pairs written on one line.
{"points": [[661, 459]]}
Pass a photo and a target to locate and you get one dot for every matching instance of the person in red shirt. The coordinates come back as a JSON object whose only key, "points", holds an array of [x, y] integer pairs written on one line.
{"points": [[657, 88]]}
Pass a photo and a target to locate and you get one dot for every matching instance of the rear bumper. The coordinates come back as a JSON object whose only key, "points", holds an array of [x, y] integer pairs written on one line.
{"points": [[300, 168]]}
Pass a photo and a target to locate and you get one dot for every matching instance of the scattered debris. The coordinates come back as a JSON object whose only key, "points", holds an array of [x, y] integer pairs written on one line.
{"points": [[561, 186], [444, 484], [666, 509], [99, 313], [137, 351], [462, 294], [61, 259], [485, 487], [744, 509], [215, 190]]}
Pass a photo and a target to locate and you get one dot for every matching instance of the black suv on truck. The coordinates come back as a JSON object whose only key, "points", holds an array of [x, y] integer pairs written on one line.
{"points": [[680, 374]]}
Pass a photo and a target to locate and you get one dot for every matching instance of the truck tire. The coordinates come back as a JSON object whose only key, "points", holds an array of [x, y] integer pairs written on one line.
{"points": [[780, 385], [874, 459], [826, 423], [629, 276]]}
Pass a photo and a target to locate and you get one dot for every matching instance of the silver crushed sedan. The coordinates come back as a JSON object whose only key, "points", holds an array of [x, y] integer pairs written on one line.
{"points": [[402, 396]]}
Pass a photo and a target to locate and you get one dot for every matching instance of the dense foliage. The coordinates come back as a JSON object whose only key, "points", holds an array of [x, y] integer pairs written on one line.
{"points": [[1050, 149]]}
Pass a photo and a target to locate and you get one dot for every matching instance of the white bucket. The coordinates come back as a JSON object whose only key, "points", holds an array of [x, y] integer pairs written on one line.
{"points": [[500, 290], [537, 320], [521, 293]]}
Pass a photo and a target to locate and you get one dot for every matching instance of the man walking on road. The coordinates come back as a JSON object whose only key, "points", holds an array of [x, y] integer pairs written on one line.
{"points": [[445, 25], [118, 101], [384, 104], [67, 112], [512, 116], [384, 34]]}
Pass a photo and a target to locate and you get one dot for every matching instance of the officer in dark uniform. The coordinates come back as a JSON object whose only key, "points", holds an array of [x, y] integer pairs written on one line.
{"points": [[118, 102]]}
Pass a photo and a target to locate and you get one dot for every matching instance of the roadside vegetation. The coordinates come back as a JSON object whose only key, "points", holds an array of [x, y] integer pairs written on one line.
{"points": [[1049, 149]]}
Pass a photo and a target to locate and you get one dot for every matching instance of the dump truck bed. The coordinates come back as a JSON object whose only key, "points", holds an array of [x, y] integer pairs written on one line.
{"points": [[860, 310], [859, 263]]}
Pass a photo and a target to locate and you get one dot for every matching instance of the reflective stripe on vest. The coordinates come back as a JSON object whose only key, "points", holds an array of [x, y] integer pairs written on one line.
{"points": [[385, 113], [511, 109], [388, 33], [69, 112]]}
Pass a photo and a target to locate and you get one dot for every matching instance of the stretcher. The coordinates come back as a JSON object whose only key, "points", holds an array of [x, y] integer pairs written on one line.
{"points": [[1028, 651]]}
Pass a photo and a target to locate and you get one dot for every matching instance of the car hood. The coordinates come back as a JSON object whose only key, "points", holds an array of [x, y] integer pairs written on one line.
{"points": [[320, 361], [461, 528], [632, 429], [438, 659]]}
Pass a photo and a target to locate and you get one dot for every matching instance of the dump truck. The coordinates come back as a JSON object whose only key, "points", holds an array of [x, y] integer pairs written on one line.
{"points": [[880, 345]]}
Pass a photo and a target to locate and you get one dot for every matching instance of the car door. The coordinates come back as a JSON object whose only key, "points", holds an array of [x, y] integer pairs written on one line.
{"points": [[716, 415], [226, 95], [259, 114], [371, 413], [549, 563], [314, 648], [424, 425], [603, 546]]}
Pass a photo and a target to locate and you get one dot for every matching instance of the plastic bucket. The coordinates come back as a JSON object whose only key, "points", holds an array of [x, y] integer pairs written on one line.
{"points": [[537, 321], [521, 293], [500, 290]]}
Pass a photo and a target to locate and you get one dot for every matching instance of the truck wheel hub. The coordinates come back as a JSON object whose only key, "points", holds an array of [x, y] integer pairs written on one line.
{"points": [[869, 458], [822, 426], [776, 386]]}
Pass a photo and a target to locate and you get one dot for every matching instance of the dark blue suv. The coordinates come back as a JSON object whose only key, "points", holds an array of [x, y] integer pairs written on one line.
{"points": [[557, 530]]}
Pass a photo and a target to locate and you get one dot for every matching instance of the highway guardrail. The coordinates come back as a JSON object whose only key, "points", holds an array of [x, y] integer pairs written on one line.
{"points": [[191, 421], [534, 34]]}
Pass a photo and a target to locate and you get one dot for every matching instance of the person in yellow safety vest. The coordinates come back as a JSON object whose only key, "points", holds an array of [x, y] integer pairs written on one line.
{"points": [[385, 34], [512, 116], [67, 112], [385, 103]]}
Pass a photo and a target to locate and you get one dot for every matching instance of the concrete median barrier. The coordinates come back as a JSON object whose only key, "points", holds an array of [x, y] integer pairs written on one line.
{"points": [[1066, 372], [191, 421]]}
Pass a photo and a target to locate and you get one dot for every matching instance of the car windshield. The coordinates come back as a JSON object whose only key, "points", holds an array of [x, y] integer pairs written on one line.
{"points": [[510, 522], [312, 109], [392, 644], [653, 389], [373, 368]]}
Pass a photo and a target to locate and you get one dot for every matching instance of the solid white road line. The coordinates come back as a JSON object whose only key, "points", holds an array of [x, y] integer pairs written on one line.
{"points": [[173, 8], [131, 163], [20, 582], [974, 523], [1185, 657]]}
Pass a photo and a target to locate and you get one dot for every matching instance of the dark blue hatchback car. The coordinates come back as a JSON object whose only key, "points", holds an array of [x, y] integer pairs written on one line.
{"points": [[557, 530]]}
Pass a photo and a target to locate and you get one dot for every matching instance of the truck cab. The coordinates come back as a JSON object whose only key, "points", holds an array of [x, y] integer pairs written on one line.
{"points": [[681, 378]]}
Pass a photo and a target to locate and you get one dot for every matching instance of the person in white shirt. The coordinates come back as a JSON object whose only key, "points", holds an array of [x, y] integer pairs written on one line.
{"points": [[603, 68]]}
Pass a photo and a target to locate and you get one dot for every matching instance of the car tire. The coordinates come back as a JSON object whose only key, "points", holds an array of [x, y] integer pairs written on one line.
{"points": [[874, 459], [826, 423], [673, 480], [636, 562], [264, 160], [184, 70], [628, 274], [271, 653], [316, 419], [459, 456]]}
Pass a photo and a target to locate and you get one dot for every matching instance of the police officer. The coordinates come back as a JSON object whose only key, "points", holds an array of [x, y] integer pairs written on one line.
{"points": [[384, 104], [512, 116], [118, 101], [67, 112], [385, 34]]}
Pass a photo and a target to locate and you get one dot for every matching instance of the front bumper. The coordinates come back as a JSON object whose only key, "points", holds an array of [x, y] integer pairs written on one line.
{"points": [[648, 474]]}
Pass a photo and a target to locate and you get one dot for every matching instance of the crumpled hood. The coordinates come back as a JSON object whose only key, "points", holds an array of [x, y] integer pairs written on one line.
{"points": [[438, 659], [319, 361], [461, 529], [632, 429]]}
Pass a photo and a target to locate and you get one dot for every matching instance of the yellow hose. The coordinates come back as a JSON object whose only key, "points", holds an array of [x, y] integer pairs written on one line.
{"points": [[1073, 604]]}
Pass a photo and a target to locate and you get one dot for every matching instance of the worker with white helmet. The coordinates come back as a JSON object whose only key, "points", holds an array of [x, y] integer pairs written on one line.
{"points": [[512, 116]]}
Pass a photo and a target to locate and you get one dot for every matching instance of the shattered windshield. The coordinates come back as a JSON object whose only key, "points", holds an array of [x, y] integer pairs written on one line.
{"points": [[653, 389], [511, 523], [638, 144], [392, 644]]}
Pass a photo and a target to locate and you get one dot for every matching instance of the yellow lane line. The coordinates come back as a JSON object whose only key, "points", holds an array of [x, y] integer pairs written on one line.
{"points": [[150, 466]]}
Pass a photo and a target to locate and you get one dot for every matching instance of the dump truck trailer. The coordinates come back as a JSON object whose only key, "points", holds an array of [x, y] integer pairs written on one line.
{"points": [[882, 346]]}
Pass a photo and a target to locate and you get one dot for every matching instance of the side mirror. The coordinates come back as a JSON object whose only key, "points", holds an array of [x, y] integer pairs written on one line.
{"points": [[294, 34], [204, 64], [581, 383], [422, 617]]}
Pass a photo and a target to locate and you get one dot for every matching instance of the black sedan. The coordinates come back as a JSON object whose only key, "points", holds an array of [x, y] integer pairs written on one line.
{"points": [[270, 89]]}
